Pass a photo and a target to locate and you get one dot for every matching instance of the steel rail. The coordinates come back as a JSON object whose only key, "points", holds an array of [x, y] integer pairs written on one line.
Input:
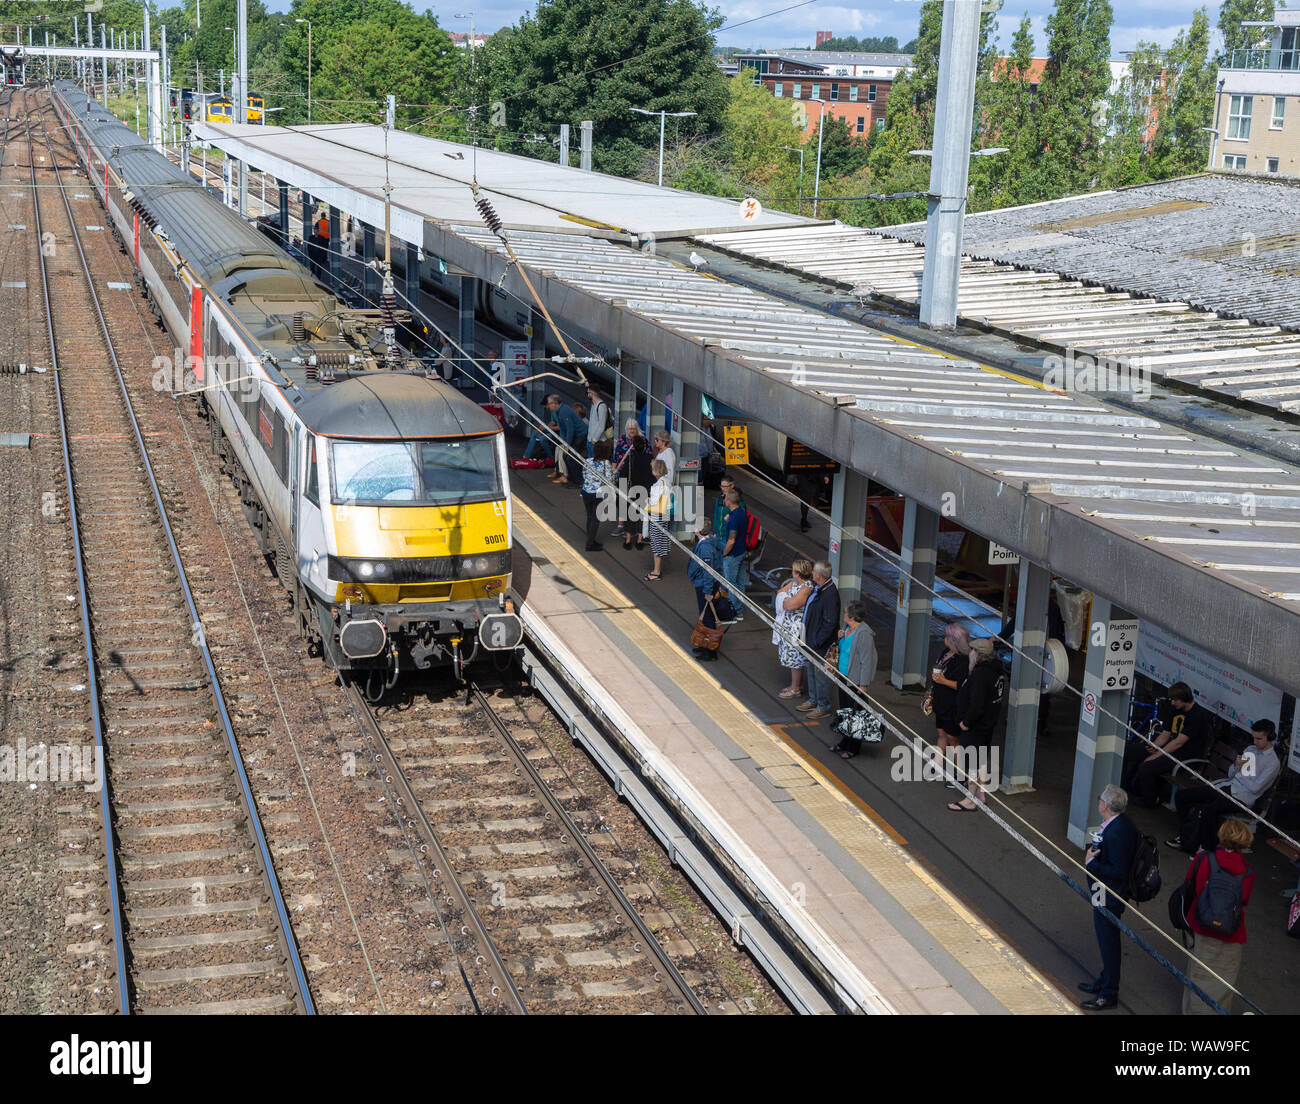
{"points": [[407, 805], [92, 671], [588, 853], [302, 994]]}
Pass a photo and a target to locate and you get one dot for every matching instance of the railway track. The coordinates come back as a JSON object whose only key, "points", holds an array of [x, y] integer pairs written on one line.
{"points": [[197, 919], [555, 932]]}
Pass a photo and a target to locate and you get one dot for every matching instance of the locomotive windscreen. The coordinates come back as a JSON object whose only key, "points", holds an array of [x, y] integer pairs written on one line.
{"points": [[442, 472]]}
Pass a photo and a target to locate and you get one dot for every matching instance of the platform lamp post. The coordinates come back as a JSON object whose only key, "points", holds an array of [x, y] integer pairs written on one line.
{"points": [[821, 129], [662, 115], [308, 22], [798, 203]]}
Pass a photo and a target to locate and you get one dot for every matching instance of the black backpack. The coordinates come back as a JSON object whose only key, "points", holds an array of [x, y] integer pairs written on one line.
{"points": [[1218, 906], [1144, 875], [1180, 903]]}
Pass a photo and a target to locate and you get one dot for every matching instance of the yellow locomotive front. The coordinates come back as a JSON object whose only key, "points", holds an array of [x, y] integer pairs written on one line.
{"points": [[416, 542]]}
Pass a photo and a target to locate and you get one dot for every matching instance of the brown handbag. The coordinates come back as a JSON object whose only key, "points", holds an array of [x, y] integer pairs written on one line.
{"points": [[703, 637]]}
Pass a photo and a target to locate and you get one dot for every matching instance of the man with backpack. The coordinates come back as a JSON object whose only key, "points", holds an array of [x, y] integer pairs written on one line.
{"points": [[1110, 862], [1219, 891]]}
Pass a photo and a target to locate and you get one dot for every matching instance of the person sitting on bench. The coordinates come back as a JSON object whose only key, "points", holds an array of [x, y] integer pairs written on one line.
{"points": [[1200, 808]]}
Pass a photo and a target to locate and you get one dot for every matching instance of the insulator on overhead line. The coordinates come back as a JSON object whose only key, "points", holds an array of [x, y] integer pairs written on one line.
{"points": [[490, 218], [298, 331]]}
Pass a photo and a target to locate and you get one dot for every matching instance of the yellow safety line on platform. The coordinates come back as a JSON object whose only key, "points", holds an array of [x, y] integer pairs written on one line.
{"points": [[999, 969]]}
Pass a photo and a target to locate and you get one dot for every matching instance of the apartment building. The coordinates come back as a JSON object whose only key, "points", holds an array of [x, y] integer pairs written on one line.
{"points": [[1257, 107]]}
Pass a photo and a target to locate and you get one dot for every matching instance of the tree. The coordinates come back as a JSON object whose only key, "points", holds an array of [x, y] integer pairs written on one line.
{"points": [[598, 59], [886, 45], [755, 126], [1073, 94], [1234, 13], [1134, 106], [1010, 119], [842, 153], [401, 54], [1181, 144]]}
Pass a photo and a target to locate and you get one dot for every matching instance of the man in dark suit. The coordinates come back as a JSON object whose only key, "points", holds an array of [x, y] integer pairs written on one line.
{"points": [[821, 626], [1110, 862]]}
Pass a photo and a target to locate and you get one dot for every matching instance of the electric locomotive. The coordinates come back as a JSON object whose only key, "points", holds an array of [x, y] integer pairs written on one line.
{"points": [[380, 493]]}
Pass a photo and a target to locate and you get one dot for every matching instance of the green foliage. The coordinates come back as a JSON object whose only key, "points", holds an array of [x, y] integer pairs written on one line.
{"points": [[1073, 97], [1009, 118], [1181, 144], [1233, 13], [597, 59]]}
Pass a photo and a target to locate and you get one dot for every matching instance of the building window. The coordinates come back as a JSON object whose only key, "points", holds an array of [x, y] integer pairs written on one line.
{"points": [[797, 90], [853, 93], [871, 93], [762, 67], [816, 90], [1272, 164], [1234, 161], [862, 124], [1279, 113], [835, 91], [777, 89], [1239, 110]]}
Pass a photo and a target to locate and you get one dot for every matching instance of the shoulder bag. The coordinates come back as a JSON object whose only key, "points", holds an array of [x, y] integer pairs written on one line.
{"points": [[703, 637]]}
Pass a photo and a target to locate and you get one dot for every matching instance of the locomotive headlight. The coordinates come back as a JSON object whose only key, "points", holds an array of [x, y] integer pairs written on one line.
{"points": [[366, 570], [381, 570]]}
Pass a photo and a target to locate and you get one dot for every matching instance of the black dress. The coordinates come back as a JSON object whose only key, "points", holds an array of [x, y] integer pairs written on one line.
{"points": [[944, 699]]}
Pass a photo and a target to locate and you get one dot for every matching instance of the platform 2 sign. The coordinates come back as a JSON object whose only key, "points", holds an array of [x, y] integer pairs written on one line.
{"points": [[735, 442], [1121, 654]]}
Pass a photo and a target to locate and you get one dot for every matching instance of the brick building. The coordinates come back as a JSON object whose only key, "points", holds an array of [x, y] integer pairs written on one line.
{"points": [[851, 86]]}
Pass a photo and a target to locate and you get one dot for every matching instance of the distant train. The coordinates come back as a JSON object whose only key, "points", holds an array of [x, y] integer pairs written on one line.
{"points": [[216, 107], [382, 496]]}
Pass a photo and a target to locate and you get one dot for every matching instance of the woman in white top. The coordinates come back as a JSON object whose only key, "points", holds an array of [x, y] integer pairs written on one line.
{"points": [[790, 601], [663, 451], [655, 514]]}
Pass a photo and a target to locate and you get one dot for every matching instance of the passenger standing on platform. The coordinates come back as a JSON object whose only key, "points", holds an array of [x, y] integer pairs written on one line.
{"points": [[946, 679], [788, 631], [707, 551], [821, 623], [320, 244], [857, 661], [663, 452], [1110, 862], [1185, 738], [597, 476], [733, 551], [656, 516], [1218, 944], [979, 708], [810, 485], [600, 423], [725, 486], [639, 477], [624, 444]]}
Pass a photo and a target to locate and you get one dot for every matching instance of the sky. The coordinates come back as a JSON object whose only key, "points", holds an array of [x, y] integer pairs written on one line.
{"points": [[1135, 20]]}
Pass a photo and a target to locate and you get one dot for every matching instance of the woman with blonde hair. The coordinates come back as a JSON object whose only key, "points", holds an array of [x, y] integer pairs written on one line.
{"points": [[946, 680], [657, 507], [787, 633], [1219, 942]]}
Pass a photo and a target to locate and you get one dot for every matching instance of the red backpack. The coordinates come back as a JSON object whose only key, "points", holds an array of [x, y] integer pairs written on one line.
{"points": [[753, 532]]}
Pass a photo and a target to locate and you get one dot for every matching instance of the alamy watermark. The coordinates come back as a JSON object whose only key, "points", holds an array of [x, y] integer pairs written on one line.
{"points": [[1086, 373], [43, 762], [919, 762]]}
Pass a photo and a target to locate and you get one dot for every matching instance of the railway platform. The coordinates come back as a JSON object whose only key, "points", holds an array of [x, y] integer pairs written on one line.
{"points": [[942, 912], [892, 937]]}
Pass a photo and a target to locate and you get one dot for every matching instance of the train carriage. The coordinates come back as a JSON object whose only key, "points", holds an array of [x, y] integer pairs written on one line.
{"points": [[381, 494]]}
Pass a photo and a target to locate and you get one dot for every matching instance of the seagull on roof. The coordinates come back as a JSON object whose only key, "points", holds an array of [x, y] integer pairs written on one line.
{"points": [[455, 156], [697, 262]]}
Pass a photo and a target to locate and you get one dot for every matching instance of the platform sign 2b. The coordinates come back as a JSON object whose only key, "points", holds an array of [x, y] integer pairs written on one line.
{"points": [[735, 440], [1121, 654]]}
